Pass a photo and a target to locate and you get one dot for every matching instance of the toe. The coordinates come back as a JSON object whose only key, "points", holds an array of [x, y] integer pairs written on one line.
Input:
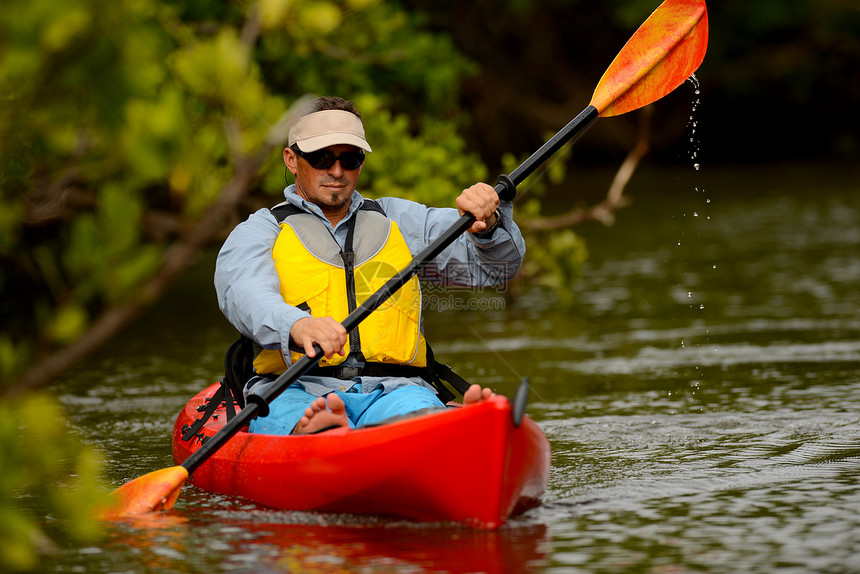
{"points": [[335, 403]]}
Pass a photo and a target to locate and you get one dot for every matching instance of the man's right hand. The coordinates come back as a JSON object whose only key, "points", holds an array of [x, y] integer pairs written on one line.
{"points": [[324, 331]]}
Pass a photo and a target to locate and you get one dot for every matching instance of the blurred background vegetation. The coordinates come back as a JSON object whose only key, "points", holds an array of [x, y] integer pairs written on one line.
{"points": [[135, 133]]}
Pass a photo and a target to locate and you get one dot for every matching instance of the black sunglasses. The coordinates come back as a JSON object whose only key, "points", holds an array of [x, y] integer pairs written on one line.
{"points": [[324, 159]]}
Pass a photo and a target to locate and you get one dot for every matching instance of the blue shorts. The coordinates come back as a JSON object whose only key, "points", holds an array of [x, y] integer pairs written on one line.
{"points": [[361, 408]]}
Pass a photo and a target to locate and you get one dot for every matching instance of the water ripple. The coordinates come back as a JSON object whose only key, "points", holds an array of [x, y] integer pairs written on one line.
{"points": [[649, 359]]}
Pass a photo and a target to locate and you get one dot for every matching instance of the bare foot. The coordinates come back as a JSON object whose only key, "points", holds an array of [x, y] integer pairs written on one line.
{"points": [[320, 415], [476, 394]]}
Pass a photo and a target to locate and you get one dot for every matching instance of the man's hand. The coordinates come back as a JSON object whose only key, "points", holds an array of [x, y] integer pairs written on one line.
{"points": [[324, 331], [480, 200]]}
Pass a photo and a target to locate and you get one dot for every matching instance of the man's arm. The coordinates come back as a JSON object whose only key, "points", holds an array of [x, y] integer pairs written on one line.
{"points": [[471, 260], [248, 287]]}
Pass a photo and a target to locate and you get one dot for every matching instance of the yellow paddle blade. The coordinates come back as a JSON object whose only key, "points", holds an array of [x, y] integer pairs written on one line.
{"points": [[665, 51], [157, 490]]}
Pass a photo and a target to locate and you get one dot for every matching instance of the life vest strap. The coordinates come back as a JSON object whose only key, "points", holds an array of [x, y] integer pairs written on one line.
{"points": [[371, 370], [238, 368]]}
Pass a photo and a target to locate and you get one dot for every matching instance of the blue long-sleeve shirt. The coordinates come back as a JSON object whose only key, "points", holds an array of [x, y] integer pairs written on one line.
{"points": [[248, 287]]}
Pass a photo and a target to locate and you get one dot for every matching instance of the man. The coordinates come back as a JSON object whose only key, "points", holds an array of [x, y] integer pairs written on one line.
{"points": [[286, 277]]}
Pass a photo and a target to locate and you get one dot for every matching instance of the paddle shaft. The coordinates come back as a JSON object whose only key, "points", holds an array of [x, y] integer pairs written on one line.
{"points": [[258, 403]]}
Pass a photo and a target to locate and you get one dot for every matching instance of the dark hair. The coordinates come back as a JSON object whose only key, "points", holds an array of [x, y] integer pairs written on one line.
{"points": [[334, 103]]}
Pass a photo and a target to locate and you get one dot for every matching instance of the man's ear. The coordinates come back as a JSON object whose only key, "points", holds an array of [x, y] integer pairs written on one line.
{"points": [[291, 160]]}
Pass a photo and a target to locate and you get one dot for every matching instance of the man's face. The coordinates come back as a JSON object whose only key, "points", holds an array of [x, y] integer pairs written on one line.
{"points": [[331, 189]]}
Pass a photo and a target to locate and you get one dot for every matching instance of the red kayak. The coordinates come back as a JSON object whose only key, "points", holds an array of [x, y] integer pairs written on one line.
{"points": [[468, 464]]}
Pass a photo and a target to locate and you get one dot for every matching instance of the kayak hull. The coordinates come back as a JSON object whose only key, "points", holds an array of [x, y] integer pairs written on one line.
{"points": [[468, 464]]}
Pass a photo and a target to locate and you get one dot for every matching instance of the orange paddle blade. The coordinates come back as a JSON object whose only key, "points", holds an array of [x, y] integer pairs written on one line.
{"points": [[665, 51], [151, 492]]}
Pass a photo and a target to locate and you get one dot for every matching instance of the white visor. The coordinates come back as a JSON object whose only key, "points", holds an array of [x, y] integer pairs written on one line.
{"points": [[327, 128]]}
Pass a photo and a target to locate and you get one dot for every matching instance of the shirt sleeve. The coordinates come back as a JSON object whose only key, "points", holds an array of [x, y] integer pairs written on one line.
{"points": [[248, 287], [469, 261]]}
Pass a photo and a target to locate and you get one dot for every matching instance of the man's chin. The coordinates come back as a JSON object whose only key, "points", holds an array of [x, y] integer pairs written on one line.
{"points": [[336, 203]]}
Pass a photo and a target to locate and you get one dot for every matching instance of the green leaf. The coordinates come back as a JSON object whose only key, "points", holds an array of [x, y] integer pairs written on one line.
{"points": [[70, 321], [126, 276], [318, 17], [44, 465], [68, 24]]}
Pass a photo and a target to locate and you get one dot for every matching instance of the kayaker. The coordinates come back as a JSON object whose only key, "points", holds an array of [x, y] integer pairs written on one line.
{"points": [[284, 273]]}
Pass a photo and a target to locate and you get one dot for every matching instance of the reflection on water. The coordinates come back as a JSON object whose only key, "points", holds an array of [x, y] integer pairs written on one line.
{"points": [[701, 397], [230, 536]]}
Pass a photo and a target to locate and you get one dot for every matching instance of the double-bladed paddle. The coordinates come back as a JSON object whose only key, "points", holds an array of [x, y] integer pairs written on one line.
{"points": [[658, 58]]}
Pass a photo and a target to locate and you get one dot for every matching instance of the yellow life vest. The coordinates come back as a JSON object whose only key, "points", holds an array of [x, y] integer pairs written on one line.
{"points": [[320, 278]]}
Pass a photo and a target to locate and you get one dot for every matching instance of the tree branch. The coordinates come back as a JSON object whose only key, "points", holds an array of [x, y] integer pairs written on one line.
{"points": [[178, 257], [113, 319], [614, 199]]}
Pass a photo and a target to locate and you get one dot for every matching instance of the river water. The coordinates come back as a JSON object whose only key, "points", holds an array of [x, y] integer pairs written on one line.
{"points": [[701, 394]]}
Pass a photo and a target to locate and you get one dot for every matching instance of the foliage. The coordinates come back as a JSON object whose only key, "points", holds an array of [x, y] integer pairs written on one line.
{"points": [[555, 257], [124, 122], [42, 463], [433, 167]]}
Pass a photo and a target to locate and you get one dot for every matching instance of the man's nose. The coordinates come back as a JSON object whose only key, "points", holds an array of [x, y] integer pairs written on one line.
{"points": [[336, 169]]}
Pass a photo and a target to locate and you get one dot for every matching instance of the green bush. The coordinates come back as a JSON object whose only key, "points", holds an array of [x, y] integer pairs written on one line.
{"points": [[46, 474]]}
